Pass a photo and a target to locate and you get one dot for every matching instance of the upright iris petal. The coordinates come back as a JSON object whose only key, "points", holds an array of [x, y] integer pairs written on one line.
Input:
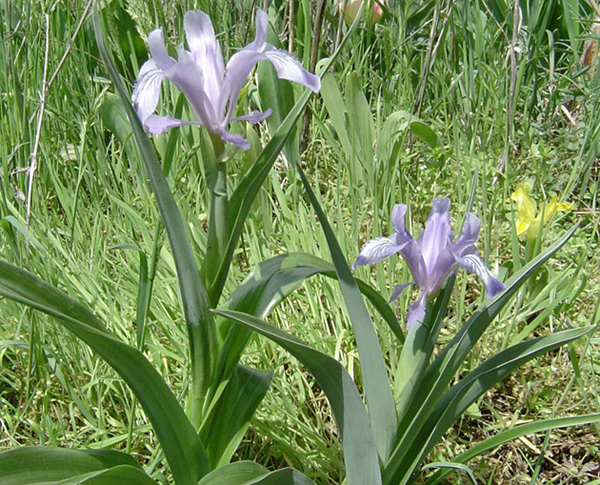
{"points": [[433, 257], [200, 74]]}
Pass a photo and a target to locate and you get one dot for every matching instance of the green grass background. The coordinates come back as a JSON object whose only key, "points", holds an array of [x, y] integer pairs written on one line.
{"points": [[90, 194]]}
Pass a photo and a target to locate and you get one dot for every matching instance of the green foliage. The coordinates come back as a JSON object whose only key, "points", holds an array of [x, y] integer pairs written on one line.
{"points": [[368, 148]]}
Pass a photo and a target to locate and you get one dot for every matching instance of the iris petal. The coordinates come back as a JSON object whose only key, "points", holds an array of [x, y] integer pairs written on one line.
{"points": [[147, 89], [158, 124], [288, 67], [237, 140], [398, 291], [437, 232], [158, 51], [465, 244], [254, 117], [206, 51], [474, 264], [416, 311], [376, 250]]}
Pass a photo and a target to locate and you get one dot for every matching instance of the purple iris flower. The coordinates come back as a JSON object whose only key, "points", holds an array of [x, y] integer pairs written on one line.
{"points": [[200, 74], [433, 257]]}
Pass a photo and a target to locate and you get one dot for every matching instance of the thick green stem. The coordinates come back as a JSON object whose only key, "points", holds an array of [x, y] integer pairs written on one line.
{"points": [[216, 178]]}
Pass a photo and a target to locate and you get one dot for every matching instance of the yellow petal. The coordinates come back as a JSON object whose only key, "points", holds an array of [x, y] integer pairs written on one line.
{"points": [[526, 206]]}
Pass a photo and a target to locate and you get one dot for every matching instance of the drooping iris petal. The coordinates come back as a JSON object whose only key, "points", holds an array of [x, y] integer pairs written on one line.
{"points": [[237, 140], [146, 91], [473, 264], [398, 291], [289, 68], [158, 124], [436, 235], [241, 64], [254, 117], [376, 250]]}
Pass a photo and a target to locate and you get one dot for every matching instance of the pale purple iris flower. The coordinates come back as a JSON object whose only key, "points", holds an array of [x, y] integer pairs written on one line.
{"points": [[200, 74], [433, 257]]}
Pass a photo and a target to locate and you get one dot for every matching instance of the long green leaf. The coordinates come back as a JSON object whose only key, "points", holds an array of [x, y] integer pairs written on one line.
{"points": [[418, 349], [269, 283], [183, 449], [456, 401], [250, 473], [287, 476], [362, 463], [235, 473], [513, 434], [248, 188], [40, 464], [201, 327], [443, 369], [226, 424], [119, 475], [380, 400]]}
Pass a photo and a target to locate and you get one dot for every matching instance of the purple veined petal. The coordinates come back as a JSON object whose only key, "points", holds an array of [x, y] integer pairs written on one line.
{"points": [[465, 244], [206, 51], [158, 51], [147, 89], [472, 263], [398, 291], [289, 68], [376, 250], [237, 140], [187, 76], [254, 117], [158, 124], [416, 311], [445, 264], [437, 232]]}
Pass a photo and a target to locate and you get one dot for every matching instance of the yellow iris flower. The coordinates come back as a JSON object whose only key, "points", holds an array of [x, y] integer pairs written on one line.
{"points": [[528, 222]]}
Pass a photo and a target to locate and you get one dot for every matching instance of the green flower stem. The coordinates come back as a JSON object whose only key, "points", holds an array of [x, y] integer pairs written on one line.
{"points": [[216, 179]]}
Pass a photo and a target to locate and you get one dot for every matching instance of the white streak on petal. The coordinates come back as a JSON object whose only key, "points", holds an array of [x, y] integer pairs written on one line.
{"points": [[376, 250], [147, 89]]}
